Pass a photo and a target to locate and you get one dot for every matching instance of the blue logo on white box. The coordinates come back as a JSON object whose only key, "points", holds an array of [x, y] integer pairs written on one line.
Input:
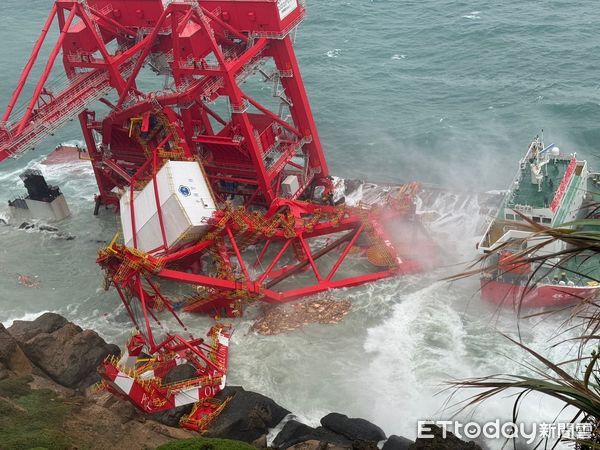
{"points": [[185, 191]]}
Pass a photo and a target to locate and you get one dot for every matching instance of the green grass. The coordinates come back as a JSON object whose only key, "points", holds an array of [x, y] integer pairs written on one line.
{"points": [[206, 444], [31, 418]]}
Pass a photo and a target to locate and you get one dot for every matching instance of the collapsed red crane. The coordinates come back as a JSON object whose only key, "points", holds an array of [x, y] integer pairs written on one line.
{"points": [[215, 190]]}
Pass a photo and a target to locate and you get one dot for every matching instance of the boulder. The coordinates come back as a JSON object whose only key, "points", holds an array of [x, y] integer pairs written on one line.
{"points": [[180, 373], [4, 372], [23, 330], [437, 442], [246, 417], [397, 443], [69, 355], [311, 445], [12, 358], [261, 442], [294, 433], [364, 445], [353, 429], [172, 417]]}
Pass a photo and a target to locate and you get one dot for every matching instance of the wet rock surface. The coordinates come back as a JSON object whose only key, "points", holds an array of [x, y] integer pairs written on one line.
{"points": [[353, 429], [295, 432], [438, 442], [69, 355], [12, 359], [397, 443], [23, 330], [172, 417], [247, 415]]}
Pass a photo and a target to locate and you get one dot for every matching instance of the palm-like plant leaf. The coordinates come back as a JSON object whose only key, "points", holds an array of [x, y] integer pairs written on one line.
{"points": [[549, 378]]}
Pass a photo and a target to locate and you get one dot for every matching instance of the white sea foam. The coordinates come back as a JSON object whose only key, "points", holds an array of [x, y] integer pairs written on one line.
{"points": [[473, 15], [27, 317], [442, 332], [333, 53], [426, 342]]}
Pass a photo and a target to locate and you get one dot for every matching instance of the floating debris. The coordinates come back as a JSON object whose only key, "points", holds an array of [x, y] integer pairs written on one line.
{"points": [[284, 318], [27, 281]]}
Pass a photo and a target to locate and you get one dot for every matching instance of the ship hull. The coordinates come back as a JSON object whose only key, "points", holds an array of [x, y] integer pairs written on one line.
{"points": [[65, 154], [541, 296]]}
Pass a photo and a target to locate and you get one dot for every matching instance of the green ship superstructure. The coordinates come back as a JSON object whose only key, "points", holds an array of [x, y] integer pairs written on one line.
{"points": [[551, 188]]}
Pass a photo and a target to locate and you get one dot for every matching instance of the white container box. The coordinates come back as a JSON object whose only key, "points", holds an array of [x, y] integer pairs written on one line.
{"points": [[186, 203], [290, 186]]}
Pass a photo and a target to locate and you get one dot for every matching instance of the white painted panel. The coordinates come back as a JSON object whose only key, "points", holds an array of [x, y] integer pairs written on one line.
{"points": [[290, 185], [176, 221], [192, 190], [286, 7], [186, 204], [55, 211], [124, 382], [186, 397]]}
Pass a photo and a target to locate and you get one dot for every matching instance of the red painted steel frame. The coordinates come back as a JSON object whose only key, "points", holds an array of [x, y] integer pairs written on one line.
{"points": [[209, 49], [273, 244]]}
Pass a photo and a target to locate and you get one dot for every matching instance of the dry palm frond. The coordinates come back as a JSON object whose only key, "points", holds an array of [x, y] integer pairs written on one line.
{"points": [[579, 392]]}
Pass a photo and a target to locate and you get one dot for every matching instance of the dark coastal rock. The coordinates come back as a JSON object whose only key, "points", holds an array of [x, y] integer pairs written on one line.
{"points": [[439, 443], [8, 344], [291, 433], [12, 359], [180, 373], [4, 372], [261, 442], [171, 417], [294, 433], [23, 330], [246, 417], [397, 443], [48, 228], [69, 355], [315, 445], [353, 429]]}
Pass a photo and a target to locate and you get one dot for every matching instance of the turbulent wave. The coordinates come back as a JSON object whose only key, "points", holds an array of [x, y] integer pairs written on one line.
{"points": [[27, 317], [442, 332]]}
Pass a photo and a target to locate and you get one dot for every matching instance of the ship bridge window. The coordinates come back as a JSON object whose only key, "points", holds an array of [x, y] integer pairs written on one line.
{"points": [[546, 220], [536, 219], [510, 217]]}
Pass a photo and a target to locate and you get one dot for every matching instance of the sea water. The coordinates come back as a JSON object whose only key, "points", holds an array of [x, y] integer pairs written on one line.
{"points": [[446, 92]]}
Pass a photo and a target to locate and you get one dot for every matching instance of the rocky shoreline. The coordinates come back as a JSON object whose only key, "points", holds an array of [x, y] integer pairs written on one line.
{"points": [[47, 372]]}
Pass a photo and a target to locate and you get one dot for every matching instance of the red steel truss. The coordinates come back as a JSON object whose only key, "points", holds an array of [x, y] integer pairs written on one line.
{"points": [[270, 238]]}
